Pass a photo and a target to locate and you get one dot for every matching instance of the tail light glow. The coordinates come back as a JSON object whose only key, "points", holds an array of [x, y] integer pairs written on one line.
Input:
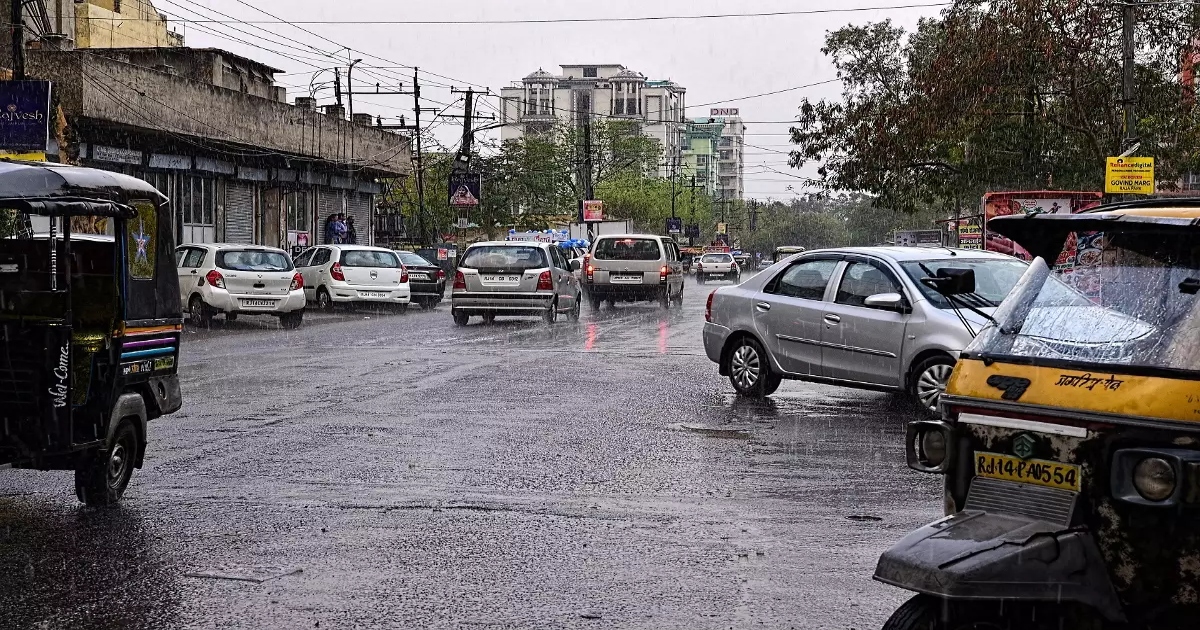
{"points": [[544, 282], [441, 274], [403, 274], [335, 272], [459, 281], [663, 272], [215, 278], [708, 307], [297, 282]]}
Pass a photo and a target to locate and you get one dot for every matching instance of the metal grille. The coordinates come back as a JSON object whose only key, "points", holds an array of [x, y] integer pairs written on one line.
{"points": [[1022, 499], [239, 213]]}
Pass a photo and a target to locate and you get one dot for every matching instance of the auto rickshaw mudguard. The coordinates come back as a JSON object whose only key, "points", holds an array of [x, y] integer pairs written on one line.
{"points": [[133, 406], [975, 555]]}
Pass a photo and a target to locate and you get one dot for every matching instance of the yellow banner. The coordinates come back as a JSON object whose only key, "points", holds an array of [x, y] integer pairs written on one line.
{"points": [[1129, 175], [25, 157]]}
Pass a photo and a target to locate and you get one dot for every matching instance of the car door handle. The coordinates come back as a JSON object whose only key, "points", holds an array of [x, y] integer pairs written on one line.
{"points": [[763, 306], [832, 319], [195, 271]]}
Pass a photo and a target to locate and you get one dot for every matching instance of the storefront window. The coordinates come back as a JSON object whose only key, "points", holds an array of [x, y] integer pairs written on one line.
{"points": [[299, 211]]}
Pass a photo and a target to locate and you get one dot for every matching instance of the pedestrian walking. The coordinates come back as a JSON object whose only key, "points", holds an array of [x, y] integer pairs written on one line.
{"points": [[351, 233]]}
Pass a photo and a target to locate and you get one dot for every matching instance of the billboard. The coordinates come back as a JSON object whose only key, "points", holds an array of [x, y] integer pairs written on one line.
{"points": [[724, 111], [24, 116], [592, 211], [465, 190], [1030, 202], [674, 226], [919, 238]]}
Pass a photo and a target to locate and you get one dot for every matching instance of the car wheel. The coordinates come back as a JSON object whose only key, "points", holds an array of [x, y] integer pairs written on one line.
{"points": [[679, 298], [928, 382], [923, 612], [199, 314], [748, 368], [402, 308], [101, 480], [324, 300], [231, 317], [550, 315], [664, 298], [460, 318], [574, 314], [489, 318], [611, 303], [291, 321], [699, 278], [595, 302]]}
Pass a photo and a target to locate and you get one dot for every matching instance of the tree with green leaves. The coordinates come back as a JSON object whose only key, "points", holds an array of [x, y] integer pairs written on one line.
{"points": [[995, 95]]}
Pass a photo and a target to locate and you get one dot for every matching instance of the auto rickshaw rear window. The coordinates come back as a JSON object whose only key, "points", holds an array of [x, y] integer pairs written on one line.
{"points": [[1127, 298]]}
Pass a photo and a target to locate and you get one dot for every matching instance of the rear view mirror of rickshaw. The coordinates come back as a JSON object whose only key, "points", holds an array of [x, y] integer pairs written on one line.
{"points": [[952, 281], [90, 322]]}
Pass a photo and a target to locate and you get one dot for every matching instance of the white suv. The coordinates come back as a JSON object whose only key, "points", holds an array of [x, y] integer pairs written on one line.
{"points": [[350, 274], [235, 279]]}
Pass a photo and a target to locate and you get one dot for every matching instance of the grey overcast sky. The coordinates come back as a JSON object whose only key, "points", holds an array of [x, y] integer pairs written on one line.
{"points": [[715, 59]]}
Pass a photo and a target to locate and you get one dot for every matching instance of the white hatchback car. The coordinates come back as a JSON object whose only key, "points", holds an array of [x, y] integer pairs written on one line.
{"points": [[354, 274], [239, 279]]}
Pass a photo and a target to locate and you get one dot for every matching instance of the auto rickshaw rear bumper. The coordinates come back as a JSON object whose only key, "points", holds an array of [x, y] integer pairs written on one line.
{"points": [[974, 555]]}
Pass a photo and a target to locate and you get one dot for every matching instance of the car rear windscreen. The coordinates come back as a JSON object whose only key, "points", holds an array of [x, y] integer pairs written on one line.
{"points": [[716, 258], [413, 260], [252, 260], [628, 249], [359, 258], [514, 257]]}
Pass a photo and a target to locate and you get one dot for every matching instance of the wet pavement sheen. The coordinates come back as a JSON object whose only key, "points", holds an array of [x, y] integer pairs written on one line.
{"points": [[384, 471]]}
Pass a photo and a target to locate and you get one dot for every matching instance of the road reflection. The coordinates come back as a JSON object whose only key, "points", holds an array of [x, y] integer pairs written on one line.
{"points": [[81, 568]]}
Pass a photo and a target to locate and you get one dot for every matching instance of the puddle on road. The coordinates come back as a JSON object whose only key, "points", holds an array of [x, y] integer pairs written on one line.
{"points": [[717, 432]]}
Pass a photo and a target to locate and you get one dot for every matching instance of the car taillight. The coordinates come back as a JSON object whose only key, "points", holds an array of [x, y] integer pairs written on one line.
{"points": [[662, 273], [403, 274], [544, 283], [441, 274], [699, 265], [215, 278], [459, 281], [708, 307], [335, 272], [297, 282]]}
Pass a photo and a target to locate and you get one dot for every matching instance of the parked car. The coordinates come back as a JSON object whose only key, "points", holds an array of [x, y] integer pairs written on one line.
{"points": [[218, 278], [859, 317], [718, 267], [633, 267], [354, 274], [426, 281], [514, 279]]}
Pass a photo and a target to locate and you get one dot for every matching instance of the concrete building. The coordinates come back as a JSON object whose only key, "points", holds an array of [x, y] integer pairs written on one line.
{"points": [[609, 91], [700, 165], [120, 24], [212, 132], [731, 155]]}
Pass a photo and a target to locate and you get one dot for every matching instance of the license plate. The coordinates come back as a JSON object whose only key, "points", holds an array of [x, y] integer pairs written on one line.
{"points": [[418, 276], [502, 279], [372, 294], [266, 303], [627, 279], [1033, 471]]}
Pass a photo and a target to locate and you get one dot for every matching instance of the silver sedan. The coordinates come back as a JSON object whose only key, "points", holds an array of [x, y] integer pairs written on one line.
{"points": [[859, 317]]}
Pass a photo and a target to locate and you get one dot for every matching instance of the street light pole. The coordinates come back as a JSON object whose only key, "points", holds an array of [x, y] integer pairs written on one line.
{"points": [[1129, 85]]}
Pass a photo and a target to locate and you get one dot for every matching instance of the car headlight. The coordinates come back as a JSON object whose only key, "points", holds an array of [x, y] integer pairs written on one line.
{"points": [[1154, 479], [933, 448]]}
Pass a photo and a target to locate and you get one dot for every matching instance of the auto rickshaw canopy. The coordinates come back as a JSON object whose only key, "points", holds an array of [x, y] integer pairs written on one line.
{"points": [[57, 190]]}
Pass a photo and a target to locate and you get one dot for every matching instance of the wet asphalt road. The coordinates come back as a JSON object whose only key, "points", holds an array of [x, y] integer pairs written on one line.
{"points": [[387, 471]]}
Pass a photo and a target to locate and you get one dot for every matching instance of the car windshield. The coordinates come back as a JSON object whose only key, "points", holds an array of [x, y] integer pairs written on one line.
{"points": [[368, 258], [994, 278], [628, 249], [253, 260], [1129, 299], [413, 260], [514, 257], [716, 258]]}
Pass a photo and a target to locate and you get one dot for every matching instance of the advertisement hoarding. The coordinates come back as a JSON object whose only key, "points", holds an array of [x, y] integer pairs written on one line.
{"points": [[593, 211], [24, 116], [465, 190], [1129, 175], [1030, 202]]}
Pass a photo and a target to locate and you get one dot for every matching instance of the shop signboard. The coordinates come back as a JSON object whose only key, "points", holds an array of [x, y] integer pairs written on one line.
{"points": [[24, 116], [1129, 176], [465, 190], [919, 238]]}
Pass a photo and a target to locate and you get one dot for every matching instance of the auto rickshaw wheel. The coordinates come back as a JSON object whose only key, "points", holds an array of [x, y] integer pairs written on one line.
{"points": [[101, 480], [924, 612]]}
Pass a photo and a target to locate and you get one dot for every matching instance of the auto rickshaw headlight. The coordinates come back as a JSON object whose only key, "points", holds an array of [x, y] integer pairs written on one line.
{"points": [[1154, 479], [933, 448]]}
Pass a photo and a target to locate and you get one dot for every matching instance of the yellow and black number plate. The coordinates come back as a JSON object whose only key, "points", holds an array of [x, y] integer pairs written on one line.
{"points": [[1034, 471]]}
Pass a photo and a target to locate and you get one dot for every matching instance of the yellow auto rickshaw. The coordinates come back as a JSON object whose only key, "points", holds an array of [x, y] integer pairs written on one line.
{"points": [[1070, 436]]}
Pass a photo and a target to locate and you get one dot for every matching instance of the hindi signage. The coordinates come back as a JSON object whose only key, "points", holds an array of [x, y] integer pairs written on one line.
{"points": [[24, 116]]}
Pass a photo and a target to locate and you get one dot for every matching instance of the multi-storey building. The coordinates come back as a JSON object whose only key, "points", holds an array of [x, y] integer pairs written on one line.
{"points": [[700, 163], [731, 163], [609, 91]]}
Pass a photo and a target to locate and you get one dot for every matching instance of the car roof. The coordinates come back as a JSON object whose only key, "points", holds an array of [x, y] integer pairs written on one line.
{"points": [[351, 248], [511, 244], [622, 236], [905, 254], [241, 246]]}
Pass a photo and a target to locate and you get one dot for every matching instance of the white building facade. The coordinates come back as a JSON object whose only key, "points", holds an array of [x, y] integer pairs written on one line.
{"points": [[731, 160], [609, 91]]}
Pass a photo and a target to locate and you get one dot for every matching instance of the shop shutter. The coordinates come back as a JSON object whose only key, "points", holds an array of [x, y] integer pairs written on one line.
{"points": [[328, 202], [239, 212], [358, 206]]}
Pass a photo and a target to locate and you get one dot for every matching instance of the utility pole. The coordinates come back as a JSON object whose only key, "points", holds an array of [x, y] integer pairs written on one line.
{"points": [[337, 85], [586, 165], [1127, 36], [17, 31]]}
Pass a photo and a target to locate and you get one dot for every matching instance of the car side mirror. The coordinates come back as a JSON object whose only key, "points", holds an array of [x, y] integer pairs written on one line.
{"points": [[885, 301], [576, 265], [953, 281]]}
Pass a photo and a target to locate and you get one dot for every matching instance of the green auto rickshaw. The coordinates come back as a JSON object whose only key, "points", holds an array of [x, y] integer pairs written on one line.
{"points": [[90, 322]]}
